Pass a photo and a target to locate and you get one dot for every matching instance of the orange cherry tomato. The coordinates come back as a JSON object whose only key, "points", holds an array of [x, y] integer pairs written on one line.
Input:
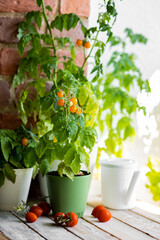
{"points": [[79, 111], [73, 219], [31, 217], [60, 102], [60, 94], [73, 109], [37, 210], [74, 101], [96, 210], [104, 215], [24, 141], [87, 45], [79, 42], [46, 208]]}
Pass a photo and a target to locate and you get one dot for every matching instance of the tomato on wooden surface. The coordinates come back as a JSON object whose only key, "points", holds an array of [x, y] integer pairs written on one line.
{"points": [[46, 208], [72, 219], [59, 217], [31, 217], [104, 215], [37, 210], [96, 210]]}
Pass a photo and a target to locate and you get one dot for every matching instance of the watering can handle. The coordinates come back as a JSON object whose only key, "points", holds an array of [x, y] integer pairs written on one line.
{"points": [[132, 185]]}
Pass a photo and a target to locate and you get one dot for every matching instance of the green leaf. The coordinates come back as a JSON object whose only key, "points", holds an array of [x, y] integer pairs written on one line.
{"points": [[76, 164], [14, 161], [87, 137], [68, 172], [129, 132], [72, 126], [41, 148], [30, 157], [44, 166], [2, 178], [9, 172], [61, 167], [39, 2], [69, 156], [6, 147], [49, 8]]}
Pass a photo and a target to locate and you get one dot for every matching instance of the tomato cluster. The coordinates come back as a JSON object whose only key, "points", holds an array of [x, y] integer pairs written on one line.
{"points": [[101, 213], [43, 208], [69, 219], [80, 42], [72, 103]]}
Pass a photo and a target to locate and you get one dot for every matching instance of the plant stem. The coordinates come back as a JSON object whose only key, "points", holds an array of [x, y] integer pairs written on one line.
{"points": [[85, 60], [49, 28]]}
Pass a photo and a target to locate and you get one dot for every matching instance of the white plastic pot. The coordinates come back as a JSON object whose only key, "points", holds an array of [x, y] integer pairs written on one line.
{"points": [[11, 194], [118, 183]]}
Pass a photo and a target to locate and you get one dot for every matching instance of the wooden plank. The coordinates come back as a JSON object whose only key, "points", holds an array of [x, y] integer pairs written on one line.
{"points": [[48, 229], [3, 237], [138, 222], [14, 229], [117, 228], [87, 231]]}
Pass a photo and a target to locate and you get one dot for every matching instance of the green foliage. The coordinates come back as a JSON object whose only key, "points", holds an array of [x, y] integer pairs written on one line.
{"points": [[63, 135], [117, 102], [154, 177], [13, 155]]}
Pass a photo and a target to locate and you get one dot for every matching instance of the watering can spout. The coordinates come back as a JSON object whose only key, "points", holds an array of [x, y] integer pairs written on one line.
{"points": [[132, 185]]}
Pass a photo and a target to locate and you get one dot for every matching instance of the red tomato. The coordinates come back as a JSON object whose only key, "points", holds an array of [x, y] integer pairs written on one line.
{"points": [[60, 94], [31, 217], [104, 215], [58, 217], [37, 210], [73, 109], [60, 102], [96, 210], [74, 101], [46, 208], [24, 141], [73, 219]]}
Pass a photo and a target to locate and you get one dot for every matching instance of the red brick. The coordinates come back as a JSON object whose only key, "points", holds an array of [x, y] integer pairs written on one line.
{"points": [[74, 34], [9, 60], [11, 121], [24, 5], [80, 8], [4, 93], [8, 29]]}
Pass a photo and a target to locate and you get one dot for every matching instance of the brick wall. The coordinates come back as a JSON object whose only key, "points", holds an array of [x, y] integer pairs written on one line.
{"points": [[12, 12]]}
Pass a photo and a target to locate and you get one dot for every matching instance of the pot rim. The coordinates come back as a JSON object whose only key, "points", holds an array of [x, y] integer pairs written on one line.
{"points": [[88, 174], [118, 163]]}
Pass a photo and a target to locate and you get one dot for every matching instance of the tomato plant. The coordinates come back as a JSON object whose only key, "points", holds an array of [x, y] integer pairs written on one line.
{"points": [[31, 217], [72, 219], [37, 210], [46, 208]]}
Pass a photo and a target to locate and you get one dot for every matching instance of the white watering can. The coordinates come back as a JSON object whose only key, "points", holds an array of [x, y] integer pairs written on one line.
{"points": [[118, 182]]}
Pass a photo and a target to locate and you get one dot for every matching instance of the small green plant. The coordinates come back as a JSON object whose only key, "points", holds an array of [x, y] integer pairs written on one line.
{"points": [[17, 150], [65, 128], [117, 102], [154, 177]]}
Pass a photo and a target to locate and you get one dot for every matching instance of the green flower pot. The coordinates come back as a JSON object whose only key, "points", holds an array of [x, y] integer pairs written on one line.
{"points": [[67, 195]]}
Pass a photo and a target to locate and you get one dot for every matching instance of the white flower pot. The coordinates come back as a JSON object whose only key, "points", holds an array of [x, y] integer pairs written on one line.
{"points": [[11, 194]]}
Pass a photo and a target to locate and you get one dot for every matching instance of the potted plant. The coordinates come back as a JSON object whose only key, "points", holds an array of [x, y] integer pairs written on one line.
{"points": [[66, 113], [17, 159]]}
